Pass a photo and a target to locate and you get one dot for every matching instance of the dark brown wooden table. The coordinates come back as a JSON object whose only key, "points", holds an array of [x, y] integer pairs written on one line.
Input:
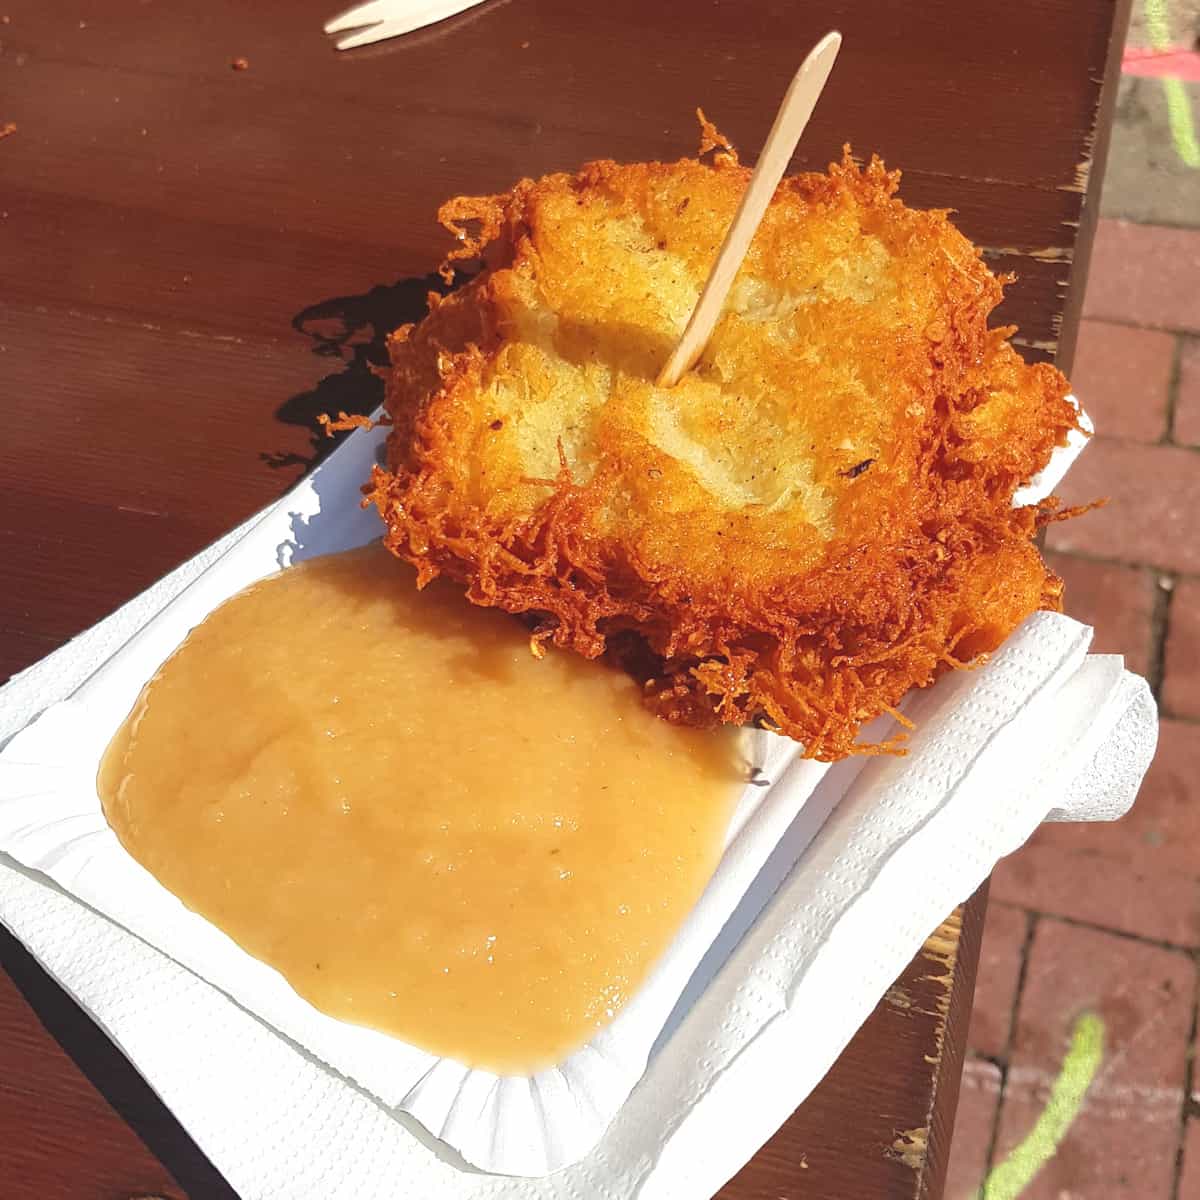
{"points": [[196, 260]]}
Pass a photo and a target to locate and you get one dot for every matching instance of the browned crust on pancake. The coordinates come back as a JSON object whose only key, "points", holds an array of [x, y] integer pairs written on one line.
{"points": [[813, 610]]}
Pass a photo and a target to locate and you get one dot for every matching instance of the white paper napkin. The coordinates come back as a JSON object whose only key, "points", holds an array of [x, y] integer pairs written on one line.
{"points": [[1040, 728], [908, 840]]}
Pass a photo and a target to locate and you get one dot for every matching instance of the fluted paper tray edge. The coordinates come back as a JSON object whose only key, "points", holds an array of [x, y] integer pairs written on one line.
{"points": [[51, 820], [707, 1100], [202, 604]]}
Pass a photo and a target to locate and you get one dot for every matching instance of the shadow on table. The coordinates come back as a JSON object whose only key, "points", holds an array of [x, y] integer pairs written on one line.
{"points": [[111, 1074], [353, 330]]}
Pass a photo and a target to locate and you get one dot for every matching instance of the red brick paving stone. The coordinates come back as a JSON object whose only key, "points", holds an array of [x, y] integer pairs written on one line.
{"points": [[996, 982], [978, 1099], [1138, 874], [1145, 275], [1181, 673], [1123, 1143], [1122, 375], [1086, 887], [1187, 402], [1117, 601], [1189, 1181], [1153, 491]]}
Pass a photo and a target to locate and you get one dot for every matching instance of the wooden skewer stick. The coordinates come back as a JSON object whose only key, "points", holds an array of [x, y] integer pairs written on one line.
{"points": [[793, 115]]}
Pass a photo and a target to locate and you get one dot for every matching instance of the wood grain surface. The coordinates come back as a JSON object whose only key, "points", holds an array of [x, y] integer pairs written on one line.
{"points": [[197, 260]]}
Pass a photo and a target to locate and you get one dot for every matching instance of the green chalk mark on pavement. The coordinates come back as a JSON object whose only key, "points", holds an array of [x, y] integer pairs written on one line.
{"points": [[1157, 25], [1179, 116], [1179, 106], [1009, 1179]]}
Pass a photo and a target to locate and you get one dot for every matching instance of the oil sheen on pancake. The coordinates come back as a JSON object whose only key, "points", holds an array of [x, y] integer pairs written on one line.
{"points": [[382, 794]]}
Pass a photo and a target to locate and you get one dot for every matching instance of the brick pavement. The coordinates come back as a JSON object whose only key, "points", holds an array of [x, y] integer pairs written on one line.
{"points": [[1106, 918]]}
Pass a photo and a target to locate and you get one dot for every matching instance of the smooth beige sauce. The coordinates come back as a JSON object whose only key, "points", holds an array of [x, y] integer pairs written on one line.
{"points": [[385, 796]]}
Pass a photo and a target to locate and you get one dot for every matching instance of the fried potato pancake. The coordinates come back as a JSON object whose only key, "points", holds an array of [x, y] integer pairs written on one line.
{"points": [[816, 519]]}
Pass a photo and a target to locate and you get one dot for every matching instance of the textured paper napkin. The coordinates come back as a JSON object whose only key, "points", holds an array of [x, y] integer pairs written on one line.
{"points": [[893, 858], [1041, 731]]}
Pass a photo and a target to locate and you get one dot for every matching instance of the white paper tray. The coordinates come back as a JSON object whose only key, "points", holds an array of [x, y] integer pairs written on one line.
{"points": [[50, 820]]}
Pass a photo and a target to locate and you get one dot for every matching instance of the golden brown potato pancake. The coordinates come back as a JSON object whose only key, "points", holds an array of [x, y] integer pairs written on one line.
{"points": [[816, 519]]}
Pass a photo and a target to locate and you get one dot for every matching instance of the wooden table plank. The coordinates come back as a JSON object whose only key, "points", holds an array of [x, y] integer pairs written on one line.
{"points": [[197, 261], [260, 139]]}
